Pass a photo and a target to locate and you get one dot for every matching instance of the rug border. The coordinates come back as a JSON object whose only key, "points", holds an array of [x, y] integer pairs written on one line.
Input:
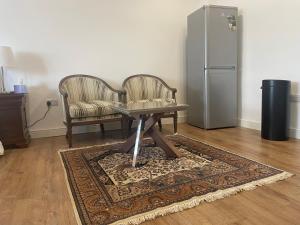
{"points": [[178, 206], [197, 200], [227, 150], [77, 217]]}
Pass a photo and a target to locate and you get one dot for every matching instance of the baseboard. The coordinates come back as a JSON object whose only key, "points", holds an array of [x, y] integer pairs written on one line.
{"points": [[51, 132], [60, 131], [251, 124], [294, 132], [1, 149], [295, 98]]}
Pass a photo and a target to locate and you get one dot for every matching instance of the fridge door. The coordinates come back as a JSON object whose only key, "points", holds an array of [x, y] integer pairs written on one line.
{"points": [[195, 68], [220, 98], [221, 36]]}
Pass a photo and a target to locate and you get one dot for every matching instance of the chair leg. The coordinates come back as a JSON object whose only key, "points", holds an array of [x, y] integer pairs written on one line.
{"points": [[102, 129], [160, 125], [69, 135], [175, 119], [129, 126], [143, 122], [124, 124]]}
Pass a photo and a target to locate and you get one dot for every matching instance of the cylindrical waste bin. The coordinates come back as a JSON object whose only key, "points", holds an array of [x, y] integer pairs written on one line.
{"points": [[275, 109]]}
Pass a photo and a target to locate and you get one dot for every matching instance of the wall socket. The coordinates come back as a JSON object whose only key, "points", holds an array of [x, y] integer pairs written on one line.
{"points": [[52, 102]]}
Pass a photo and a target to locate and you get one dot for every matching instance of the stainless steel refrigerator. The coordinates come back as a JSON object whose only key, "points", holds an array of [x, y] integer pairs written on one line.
{"points": [[212, 67]]}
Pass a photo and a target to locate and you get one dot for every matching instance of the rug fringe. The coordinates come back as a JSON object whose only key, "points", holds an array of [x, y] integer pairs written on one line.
{"points": [[195, 201]]}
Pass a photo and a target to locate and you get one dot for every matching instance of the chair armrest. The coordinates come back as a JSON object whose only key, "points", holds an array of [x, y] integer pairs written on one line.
{"points": [[66, 104], [61, 90], [122, 96], [64, 94], [115, 90], [173, 90], [121, 92]]}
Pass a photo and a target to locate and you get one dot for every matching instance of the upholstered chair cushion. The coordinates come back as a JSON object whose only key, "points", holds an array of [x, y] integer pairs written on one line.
{"points": [[95, 108], [146, 88]]}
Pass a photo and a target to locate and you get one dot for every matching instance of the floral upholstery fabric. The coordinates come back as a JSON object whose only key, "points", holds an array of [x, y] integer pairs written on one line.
{"points": [[89, 97], [146, 88]]}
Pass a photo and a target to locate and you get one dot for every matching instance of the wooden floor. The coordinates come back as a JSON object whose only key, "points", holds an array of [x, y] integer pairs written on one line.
{"points": [[33, 189]]}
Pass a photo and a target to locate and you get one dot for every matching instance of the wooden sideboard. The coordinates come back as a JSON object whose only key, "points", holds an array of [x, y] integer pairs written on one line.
{"points": [[13, 123]]}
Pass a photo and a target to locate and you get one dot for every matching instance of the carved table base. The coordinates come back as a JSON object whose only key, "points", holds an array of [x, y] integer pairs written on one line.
{"points": [[148, 122]]}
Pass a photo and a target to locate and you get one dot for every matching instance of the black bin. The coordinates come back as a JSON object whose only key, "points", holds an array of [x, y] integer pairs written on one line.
{"points": [[275, 109]]}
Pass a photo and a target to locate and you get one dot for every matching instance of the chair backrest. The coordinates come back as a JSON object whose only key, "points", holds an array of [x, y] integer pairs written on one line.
{"points": [[87, 88], [146, 87]]}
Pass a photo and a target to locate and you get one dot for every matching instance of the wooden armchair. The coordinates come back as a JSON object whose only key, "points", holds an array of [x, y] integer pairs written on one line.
{"points": [[87, 101], [144, 87]]}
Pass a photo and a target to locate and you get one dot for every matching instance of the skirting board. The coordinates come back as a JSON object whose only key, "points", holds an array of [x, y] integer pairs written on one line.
{"points": [[60, 131], [295, 98], [294, 132]]}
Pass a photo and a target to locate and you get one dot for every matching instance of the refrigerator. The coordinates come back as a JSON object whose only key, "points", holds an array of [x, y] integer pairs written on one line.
{"points": [[212, 67]]}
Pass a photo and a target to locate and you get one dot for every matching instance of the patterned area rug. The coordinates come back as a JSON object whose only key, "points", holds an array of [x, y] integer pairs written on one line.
{"points": [[107, 190]]}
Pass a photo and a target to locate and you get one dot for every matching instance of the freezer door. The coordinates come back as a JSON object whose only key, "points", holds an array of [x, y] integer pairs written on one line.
{"points": [[221, 36], [220, 98]]}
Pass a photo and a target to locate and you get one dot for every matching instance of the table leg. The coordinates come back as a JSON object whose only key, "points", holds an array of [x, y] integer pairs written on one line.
{"points": [[163, 143], [130, 143], [137, 141]]}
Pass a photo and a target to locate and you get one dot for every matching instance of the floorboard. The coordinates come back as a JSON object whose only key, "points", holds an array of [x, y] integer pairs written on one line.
{"points": [[33, 189]]}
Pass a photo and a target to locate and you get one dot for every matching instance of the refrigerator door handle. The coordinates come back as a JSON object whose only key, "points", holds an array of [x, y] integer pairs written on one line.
{"points": [[220, 68]]}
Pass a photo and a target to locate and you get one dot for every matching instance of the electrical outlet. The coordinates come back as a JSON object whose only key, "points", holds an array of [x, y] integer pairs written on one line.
{"points": [[52, 102]]}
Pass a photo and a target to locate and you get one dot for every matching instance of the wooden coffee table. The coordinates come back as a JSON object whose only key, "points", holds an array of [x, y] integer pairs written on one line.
{"points": [[147, 114]]}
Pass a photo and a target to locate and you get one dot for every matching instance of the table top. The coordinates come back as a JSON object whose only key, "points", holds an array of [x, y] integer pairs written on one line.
{"points": [[148, 107]]}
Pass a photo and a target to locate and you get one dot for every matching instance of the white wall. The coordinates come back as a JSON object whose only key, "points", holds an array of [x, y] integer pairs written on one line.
{"points": [[109, 38], [117, 38], [270, 49]]}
